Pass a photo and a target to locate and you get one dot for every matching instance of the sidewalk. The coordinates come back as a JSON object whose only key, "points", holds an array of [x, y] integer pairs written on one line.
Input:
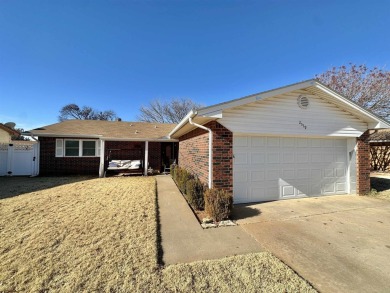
{"points": [[184, 240]]}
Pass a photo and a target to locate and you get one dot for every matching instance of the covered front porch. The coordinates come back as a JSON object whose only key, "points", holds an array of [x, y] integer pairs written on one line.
{"points": [[154, 155]]}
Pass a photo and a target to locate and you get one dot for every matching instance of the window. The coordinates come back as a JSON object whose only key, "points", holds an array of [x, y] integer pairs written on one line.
{"points": [[89, 148], [77, 148], [72, 148]]}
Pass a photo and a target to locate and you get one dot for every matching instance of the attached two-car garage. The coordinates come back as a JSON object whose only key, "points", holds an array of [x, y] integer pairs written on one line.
{"points": [[274, 168], [295, 141]]}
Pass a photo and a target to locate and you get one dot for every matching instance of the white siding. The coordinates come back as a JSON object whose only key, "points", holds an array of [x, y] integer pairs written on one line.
{"points": [[281, 115]]}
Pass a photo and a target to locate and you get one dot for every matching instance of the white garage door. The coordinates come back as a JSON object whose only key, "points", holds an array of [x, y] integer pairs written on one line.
{"points": [[273, 168]]}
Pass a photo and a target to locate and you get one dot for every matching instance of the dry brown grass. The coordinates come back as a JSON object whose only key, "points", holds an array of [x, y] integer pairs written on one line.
{"points": [[258, 272], [95, 235], [100, 235]]}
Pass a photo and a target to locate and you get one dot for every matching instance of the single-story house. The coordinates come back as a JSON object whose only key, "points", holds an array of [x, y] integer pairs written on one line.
{"points": [[299, 140], [86, 146], [6, 133]]}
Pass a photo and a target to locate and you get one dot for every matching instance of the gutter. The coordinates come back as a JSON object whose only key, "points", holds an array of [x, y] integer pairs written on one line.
{"points": [[183, 122], [210, 149], [188, 118]]}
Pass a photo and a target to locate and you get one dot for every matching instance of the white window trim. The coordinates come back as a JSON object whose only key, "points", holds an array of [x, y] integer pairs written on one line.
{"points": [[60, 148]]}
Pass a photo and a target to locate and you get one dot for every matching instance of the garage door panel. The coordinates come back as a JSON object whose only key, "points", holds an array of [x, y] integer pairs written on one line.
{"points": [[271, 168], [287, 142], [340, 187], [257, 158], [273, 158], [272, 174], [288, 190], [329, 173], [288, 158], [241, 141], [241, 177], [340, 172], [241, 159], [258, 141], [329, 188], [257, 176]]}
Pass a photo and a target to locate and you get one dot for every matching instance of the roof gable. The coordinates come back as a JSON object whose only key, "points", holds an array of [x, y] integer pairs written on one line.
{"points": [[312, 87]]}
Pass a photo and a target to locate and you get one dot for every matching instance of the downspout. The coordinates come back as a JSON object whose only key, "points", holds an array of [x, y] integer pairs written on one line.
{"points": [[210, 149]]}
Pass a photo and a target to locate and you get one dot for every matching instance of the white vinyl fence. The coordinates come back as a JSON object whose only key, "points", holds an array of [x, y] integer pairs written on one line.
{"points": [[19, 159]]}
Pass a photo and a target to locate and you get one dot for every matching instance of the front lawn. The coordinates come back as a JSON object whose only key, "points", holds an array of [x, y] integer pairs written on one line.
{"points": [[83, 234]]}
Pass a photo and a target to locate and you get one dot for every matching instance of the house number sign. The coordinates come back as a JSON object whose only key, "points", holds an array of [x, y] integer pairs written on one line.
{"points": [[303, 125]]}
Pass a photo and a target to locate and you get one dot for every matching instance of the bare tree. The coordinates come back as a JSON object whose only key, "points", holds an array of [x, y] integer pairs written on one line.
{"points": [[172, 111], [369, 88], [72, 111]]}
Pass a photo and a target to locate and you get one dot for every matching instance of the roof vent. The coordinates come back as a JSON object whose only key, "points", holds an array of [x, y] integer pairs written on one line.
{"points": [[131, 124], [136, 132], [155, 126], [303, 102]]}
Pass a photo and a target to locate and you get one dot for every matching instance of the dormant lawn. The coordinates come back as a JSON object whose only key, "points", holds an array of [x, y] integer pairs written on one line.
{"points": [[100, 235]]}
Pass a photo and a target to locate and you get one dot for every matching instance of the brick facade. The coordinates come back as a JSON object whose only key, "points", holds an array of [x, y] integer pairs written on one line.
{"points": [[194, 155], [50, 165], [134, 150], [363, 184], [222, 156]]}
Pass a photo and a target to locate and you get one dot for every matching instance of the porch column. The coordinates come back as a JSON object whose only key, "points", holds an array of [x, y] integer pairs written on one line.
{"points": [[101, 165], [146, 161]]}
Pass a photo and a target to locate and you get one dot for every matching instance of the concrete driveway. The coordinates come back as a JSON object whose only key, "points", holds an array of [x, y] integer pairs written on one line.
{"points": [[337, 243]]}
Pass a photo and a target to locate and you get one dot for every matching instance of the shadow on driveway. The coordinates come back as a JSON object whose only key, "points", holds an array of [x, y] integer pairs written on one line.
{"points": [[241, 212]]}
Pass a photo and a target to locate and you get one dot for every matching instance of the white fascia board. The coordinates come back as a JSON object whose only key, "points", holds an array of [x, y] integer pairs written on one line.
{"points": [[183, 122], [376, 121], [254, 98], [140, 139], [215, 114], [65, 135]]}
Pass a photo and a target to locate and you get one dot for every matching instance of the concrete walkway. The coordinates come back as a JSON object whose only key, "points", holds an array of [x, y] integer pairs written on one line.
{"points": [[184, 240]]}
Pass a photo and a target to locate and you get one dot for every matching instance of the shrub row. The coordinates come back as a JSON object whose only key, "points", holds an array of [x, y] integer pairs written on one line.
{"points": [[217, 203], [190, 186]]}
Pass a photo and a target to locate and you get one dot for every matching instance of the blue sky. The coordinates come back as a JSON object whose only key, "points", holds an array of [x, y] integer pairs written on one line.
{"points": [[119, 55]]}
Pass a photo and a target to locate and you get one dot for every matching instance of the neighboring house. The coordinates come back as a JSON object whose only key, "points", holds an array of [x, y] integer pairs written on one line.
{"points": [[6, 133], [380, 150], [86, 146], [299, 140]]}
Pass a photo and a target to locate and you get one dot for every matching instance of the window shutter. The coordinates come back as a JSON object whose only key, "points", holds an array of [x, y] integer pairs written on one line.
{"points": [[59, 147], [98, 148]]}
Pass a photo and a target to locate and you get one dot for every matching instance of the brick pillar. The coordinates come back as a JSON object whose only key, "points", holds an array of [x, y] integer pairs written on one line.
{"points": [[363, 184], [222, 156]]}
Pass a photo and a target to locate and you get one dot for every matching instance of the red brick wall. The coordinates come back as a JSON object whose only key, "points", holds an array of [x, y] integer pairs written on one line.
{"points": [[134, 150], [194, 155], [120, 150], [222, 156], [52, 166], [363, 184]]}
